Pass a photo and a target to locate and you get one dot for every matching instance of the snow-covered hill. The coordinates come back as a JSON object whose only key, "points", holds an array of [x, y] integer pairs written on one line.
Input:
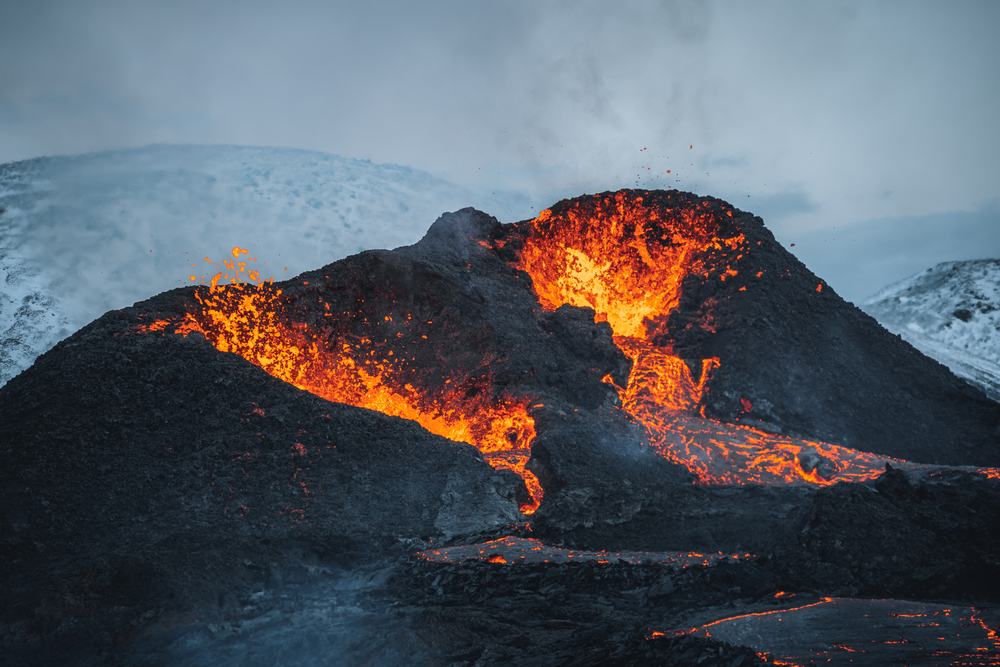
{"points": [[950, 312], [84, 234]]}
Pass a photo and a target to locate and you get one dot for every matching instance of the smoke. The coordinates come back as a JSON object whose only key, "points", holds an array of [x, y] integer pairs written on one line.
{"points": [[862, 111]]}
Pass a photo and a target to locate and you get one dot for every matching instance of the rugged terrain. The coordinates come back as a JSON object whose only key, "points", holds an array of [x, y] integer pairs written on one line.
{"points": [[168, 502]]}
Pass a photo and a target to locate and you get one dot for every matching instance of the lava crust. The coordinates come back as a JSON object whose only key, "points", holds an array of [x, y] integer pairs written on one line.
{"points": [[633, 371]]}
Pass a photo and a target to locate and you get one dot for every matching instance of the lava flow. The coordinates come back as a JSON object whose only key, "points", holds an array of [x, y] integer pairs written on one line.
{"points": [[844, 631], [629, 256], [249, 317], [508, 550], [627, 259]]}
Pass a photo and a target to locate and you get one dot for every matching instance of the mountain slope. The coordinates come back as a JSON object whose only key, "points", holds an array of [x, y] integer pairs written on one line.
{"points": [[82, 235], [951, 313]]}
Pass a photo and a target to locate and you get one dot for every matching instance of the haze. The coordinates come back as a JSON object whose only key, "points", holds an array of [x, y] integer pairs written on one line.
{"points": [[865, 133]]}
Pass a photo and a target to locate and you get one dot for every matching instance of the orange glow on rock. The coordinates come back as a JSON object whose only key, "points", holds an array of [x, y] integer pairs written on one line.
{"points": [[247, 317], [626, 259], [529, 550], [622, 256], [158, 325], [248, 320]]}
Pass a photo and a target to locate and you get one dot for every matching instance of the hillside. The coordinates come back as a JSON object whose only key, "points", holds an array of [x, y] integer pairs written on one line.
{"points": [[81, 235], [951, 313]]}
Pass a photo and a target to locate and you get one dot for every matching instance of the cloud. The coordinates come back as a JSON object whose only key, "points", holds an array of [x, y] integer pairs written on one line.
{"points": [[816, 110], [859, 259]]}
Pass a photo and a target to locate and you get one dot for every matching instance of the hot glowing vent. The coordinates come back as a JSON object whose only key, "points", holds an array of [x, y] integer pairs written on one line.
{"points": [[623, 256], [627, 259]]}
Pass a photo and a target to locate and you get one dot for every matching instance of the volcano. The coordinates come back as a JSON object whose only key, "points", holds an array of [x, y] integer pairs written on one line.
{"points": [[586, 438]]}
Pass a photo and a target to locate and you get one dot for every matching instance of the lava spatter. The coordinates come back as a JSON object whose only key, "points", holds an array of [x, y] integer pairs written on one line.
{"points": [[626, 255], [249, 317], [251, 321]]}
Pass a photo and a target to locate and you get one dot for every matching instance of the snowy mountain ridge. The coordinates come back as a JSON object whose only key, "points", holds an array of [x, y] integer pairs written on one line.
{"points": [[951, 313], [80, 235]]}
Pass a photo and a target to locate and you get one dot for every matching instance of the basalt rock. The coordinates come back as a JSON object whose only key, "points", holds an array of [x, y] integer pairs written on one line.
{"points": [[151, 480]]}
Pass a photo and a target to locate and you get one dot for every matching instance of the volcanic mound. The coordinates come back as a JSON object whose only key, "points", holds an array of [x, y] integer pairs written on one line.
{"points": [[642, 371]]}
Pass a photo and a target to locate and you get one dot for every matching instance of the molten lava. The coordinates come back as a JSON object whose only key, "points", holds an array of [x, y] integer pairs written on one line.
{"points": [[627, 259], [249, 317], [626, 255]]}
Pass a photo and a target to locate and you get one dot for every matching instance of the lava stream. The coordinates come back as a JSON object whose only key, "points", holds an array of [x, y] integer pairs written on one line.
{"points": [[508, 550], [627, 259], [848, 631], [249, 318]]}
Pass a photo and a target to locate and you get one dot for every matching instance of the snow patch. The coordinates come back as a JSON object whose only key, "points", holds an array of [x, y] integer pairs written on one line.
{"points": [[81, 235]]}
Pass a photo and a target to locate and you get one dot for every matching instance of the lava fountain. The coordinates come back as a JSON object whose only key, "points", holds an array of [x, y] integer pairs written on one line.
{"points": [[628, 255]]}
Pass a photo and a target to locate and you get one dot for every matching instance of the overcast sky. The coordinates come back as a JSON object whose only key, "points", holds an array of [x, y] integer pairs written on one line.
{"points": [[864, 132]]}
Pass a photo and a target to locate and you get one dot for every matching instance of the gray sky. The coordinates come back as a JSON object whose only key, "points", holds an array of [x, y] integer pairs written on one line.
{"points": [[825, 118]]}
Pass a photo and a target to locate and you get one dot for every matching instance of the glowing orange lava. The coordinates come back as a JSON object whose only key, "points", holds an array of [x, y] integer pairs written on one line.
{"points": [[248, 318], [618, 254], [627, 260]]}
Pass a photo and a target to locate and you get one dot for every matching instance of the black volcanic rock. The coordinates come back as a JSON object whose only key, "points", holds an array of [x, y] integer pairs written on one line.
{"points": [[606, 490], [151, 480], [153, 472], [819, 367], [936, 539]]}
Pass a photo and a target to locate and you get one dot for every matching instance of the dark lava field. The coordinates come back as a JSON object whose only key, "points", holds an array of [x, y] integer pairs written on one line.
{"points": [[665, 418]]}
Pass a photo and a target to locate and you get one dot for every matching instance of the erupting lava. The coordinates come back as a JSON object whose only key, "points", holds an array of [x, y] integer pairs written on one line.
{"points": [[628, 256], [249, 317], [627, 259]]}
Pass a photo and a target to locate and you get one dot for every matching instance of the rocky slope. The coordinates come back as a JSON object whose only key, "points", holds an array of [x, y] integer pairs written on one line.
{"points": [[81, 235], [165, 501]]}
